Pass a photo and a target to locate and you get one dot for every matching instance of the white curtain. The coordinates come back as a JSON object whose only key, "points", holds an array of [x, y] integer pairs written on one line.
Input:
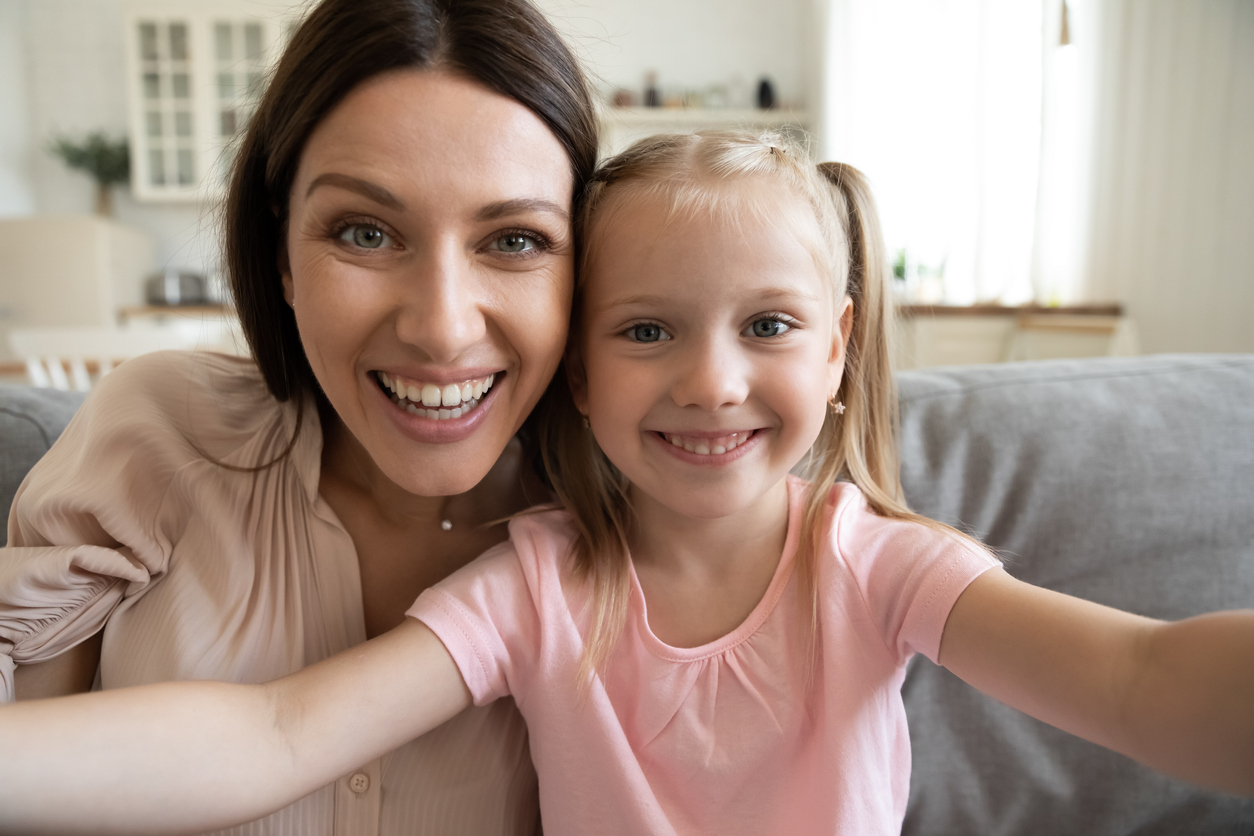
{"points": [[939, 102]]}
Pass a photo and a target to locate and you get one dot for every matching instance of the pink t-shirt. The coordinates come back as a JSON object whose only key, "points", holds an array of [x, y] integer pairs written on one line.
{"points": [[724, 738]]}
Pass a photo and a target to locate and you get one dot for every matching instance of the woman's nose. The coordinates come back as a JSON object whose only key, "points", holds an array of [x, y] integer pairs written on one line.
{"points": [[441, 310], [712, 374]]}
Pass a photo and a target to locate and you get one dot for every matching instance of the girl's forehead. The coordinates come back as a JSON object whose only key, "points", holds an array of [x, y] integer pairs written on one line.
{"points": [[748, 213]]}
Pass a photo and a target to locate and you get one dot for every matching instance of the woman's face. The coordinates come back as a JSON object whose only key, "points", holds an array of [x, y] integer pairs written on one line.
{"points": [[430, 263]]}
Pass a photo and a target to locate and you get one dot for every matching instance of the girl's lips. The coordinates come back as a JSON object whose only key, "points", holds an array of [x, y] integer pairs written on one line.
{"points": [[414, 422], [709, 448]]}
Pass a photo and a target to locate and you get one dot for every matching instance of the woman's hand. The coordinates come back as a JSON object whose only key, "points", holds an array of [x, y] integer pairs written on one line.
{"points": [[192, 756], [1177, 696]]}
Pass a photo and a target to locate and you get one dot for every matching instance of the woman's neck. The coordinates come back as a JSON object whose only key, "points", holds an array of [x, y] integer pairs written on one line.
{"points": [[406, 542]]}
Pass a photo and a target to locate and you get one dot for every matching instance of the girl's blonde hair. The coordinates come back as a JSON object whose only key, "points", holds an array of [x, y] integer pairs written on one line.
{"points": [[691, 172]]}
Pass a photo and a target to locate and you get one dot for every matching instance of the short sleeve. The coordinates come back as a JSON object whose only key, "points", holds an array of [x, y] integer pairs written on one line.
{"points": [[487, 616], [95, 521], [909, 573]]}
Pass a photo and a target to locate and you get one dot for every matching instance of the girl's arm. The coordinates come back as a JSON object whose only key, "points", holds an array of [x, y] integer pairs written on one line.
{"points": [[1177, 696], [193, 756]]}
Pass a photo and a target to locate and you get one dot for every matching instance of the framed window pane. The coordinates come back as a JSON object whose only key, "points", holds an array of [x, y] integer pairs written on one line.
{"points": [[222, 37], [252, 41], [156, 167], [183, 123], [228, 123], [186, 174], [182, 85], [178, 41], [148, 41], [226, 86], [154, 123], [152, 86]]}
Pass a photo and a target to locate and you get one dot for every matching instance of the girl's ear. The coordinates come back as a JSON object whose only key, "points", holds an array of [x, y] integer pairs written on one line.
{"points": [[840, 345]]}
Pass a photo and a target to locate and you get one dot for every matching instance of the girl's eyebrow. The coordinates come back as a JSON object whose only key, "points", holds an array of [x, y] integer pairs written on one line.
{"points": [[365, 188]]}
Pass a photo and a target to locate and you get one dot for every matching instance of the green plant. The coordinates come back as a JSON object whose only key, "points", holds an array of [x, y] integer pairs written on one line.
{"points": [[106, 160]]}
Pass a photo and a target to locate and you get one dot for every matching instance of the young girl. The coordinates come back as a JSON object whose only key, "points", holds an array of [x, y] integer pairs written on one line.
{"points": [[700, 642]]}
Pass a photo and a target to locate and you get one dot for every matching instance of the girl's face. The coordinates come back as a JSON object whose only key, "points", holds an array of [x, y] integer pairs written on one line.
{"points": [[430, 263], [709, 347]]}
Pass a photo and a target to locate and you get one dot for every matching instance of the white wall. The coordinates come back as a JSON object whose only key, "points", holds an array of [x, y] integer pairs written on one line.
{"points": [[16, 191], [1172, 233], [690, 43]]}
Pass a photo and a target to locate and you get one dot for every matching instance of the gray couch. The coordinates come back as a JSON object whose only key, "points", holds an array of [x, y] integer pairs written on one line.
{"points": [[1128, 482]]}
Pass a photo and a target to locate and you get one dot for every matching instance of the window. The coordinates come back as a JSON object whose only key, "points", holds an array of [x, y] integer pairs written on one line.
{"points": [[196, 73]]}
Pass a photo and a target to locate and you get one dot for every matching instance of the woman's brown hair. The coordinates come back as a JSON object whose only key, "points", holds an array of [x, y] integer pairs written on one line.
{"points": [[506, 45]]}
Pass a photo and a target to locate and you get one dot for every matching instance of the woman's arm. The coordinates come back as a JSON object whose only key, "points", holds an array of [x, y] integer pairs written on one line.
{"points": [[1177, 696], [192, 756]]}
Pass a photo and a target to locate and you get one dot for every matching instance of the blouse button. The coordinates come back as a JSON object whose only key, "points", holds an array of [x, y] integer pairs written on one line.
{"points": [[359, 783]]}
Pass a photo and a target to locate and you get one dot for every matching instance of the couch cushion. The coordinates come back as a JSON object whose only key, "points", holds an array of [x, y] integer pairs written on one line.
{"points": [[30, 420], [1124, 481]]}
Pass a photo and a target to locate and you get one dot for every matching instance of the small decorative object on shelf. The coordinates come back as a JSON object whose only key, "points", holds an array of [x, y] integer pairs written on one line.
{"points": [[766, 94], [651, 96], [107, 161], [176, 287]]}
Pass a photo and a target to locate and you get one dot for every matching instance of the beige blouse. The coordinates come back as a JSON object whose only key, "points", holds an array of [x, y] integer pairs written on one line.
{"points": [[198, 571]]}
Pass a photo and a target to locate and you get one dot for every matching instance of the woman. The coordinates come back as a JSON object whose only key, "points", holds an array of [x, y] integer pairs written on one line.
{"points": [[401, 253]]}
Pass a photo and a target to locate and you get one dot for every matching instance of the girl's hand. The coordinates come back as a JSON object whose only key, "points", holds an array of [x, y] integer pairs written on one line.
{"points": [[195, 756], [1177, 696]]}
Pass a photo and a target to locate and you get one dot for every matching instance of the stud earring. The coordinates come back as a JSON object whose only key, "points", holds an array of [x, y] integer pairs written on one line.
{"points": [[837, 406], [586, 425]]}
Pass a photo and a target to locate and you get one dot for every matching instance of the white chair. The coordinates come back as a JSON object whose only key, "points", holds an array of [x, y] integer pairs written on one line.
{"points": [[48, 351]]}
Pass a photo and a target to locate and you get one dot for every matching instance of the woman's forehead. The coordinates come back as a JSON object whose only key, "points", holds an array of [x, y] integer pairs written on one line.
{"points": [[429, 136]]}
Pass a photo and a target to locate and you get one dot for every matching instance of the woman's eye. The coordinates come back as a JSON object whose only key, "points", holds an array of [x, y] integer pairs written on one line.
{"points": [[515, 243], [647, 333], [768, 328], [365, 236]]}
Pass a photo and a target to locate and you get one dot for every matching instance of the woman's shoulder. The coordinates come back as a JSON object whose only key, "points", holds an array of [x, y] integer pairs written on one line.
{"points": [[205, 403]]}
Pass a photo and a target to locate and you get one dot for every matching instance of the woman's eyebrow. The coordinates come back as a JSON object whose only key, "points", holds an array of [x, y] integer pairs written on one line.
{"points": [[522, 204], [364, 188]]}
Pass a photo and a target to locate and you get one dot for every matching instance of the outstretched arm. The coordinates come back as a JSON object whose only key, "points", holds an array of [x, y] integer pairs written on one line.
{"points": [[1176, 696], [192, 756]]}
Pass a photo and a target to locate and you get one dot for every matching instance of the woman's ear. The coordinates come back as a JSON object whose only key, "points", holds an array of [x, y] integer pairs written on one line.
{"points": [[285, 272]]}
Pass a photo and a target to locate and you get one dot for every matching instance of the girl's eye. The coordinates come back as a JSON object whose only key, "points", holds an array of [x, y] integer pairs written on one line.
{"points": [[365, 236], [767, 328], [515, 242], [647, 332]]}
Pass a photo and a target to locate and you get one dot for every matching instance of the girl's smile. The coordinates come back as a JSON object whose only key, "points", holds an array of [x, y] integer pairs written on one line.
{"points": [[708, 353]]}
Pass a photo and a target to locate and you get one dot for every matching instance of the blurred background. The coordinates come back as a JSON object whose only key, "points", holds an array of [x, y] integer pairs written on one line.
{"points": [[1055, 178]]}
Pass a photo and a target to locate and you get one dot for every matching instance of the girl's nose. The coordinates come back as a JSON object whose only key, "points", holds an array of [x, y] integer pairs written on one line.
{"points": [[440, 306], [712, 375]]}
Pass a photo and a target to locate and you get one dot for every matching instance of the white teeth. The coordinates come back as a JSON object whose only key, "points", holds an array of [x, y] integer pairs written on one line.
{"points": [[709, 446], [439, 402]]}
